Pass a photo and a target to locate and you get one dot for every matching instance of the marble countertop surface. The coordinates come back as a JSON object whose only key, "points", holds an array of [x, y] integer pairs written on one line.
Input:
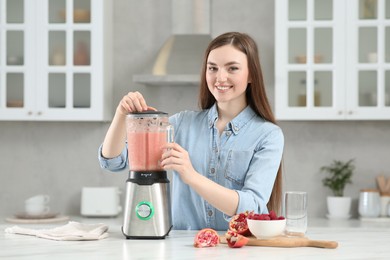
{"points": [[357, 239]]}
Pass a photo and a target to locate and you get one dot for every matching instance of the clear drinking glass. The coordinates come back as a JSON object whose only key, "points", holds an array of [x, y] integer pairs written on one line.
{"points": [[295, 208]]}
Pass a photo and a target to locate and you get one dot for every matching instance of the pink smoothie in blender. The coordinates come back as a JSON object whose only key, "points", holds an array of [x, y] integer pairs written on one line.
{"points": [[147, 132]]}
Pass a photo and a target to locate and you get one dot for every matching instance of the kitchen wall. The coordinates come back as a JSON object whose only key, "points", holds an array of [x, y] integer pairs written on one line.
{"points": [[59, 158]]}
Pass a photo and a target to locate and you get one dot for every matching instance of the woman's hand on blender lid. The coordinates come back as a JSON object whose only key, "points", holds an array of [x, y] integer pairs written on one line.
{"points": [[133, 102], [138, 102], [151, 108]]}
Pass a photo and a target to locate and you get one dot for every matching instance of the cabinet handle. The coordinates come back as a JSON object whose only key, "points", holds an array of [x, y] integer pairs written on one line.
{"points": [[29, 113], [340, 112], [39, 113], [350, 112]]}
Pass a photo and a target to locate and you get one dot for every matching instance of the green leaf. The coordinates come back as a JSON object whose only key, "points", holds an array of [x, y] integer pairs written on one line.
{"points": [[339, 175]]}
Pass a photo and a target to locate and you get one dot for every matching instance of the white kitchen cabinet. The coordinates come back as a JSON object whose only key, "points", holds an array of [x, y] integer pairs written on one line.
{"points": [[332, 60], [55, 60]]}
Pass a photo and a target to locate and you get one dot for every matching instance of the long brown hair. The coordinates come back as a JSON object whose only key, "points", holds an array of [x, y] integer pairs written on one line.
{"points": [[255, 92]]}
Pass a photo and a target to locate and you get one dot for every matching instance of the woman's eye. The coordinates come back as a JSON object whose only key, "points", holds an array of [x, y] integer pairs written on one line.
{"points": [[233, 68], [212, 68]]}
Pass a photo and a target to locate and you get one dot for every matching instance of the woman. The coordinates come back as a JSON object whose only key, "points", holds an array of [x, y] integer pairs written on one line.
{"points": [[226, 158]]}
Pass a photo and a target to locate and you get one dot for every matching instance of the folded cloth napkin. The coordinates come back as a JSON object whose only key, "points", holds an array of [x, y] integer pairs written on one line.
{"points": [[71, 231]]}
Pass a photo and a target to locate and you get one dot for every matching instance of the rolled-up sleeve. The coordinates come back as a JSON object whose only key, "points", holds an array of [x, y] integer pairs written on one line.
{"points": [[261, 174], [115, 164]]}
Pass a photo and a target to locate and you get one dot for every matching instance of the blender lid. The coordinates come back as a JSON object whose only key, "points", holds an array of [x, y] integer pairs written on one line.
{"points": [[148, 113]]}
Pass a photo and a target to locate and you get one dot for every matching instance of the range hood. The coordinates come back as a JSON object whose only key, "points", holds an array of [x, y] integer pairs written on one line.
{"points": [[180, 58]]}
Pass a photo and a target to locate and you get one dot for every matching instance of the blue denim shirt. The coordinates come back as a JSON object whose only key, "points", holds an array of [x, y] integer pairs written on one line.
{"points": [[245, 158]]}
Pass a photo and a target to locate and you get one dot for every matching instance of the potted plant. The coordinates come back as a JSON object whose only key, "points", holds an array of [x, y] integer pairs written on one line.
{"points": [[339, 175]]}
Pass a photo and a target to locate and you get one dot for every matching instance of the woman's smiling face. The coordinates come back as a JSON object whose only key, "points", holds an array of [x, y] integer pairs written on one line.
{"points": [[227, 74]]}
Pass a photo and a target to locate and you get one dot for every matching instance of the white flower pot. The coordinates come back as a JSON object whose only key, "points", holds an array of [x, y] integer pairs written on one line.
{"points": [[339, 207]]}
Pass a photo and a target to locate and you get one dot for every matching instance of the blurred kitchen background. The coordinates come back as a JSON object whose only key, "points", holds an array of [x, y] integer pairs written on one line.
{"points": [[60, 157]]}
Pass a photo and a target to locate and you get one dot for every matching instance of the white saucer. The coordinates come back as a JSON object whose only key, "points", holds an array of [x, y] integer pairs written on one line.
{"points": [[338, 217], [24, 215]]}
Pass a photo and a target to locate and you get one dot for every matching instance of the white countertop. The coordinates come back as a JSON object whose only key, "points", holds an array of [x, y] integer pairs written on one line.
{"points": [[357, 240]]}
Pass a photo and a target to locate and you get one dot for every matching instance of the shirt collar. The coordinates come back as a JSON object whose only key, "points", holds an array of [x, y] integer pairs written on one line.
{"points": [[237, 123]]}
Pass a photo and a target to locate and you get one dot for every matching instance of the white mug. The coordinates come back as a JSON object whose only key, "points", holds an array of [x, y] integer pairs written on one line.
{"points": [[37, 205], [36, 209], [39, 199], [369, 204]]}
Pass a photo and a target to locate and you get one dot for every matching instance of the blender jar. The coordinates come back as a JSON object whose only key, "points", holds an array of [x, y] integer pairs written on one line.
{"points": [[147, 132]]}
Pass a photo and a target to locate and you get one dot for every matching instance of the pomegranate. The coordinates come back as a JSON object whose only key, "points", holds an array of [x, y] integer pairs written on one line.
{"points": [[239, 224], [206, 237], [271, 216], [235, 240]]}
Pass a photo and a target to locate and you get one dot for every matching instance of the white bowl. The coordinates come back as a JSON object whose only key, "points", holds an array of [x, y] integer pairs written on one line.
{"points": [[266, 228]]}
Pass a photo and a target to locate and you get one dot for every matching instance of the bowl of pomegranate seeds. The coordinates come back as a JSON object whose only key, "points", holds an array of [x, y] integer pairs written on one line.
{"points": [[264, 226]]}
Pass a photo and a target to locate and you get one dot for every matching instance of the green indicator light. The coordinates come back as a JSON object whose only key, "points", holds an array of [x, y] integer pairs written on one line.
{"points": [[144, 210]]}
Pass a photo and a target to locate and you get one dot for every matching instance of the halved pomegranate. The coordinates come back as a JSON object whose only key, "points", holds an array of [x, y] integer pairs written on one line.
{"points": [[206, 237], [239, 224], [235, 240]]}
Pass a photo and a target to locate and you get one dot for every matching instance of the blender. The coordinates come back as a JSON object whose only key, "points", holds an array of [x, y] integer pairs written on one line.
{"points": [[147, 211]]}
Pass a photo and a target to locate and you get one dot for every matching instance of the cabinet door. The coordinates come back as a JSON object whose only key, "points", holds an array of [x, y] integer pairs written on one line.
{"points": [[51, 60], [368, 59], [309, 61], [17, 98], [71, 53]]}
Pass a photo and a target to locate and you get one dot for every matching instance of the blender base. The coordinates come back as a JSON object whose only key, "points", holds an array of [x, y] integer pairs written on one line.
{"points": [[147, 211], [147, 237]]}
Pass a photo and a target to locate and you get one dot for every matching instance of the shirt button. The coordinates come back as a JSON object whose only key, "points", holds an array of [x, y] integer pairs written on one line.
{"points": [[228, 133], [210, 213], [212, 170]]}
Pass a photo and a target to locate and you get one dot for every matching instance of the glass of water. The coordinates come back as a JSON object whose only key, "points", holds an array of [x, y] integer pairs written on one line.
{"points": [[295, 208]]}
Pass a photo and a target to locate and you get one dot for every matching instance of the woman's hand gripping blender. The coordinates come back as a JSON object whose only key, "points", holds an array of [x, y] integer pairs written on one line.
{"points": [[176, 158]]}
